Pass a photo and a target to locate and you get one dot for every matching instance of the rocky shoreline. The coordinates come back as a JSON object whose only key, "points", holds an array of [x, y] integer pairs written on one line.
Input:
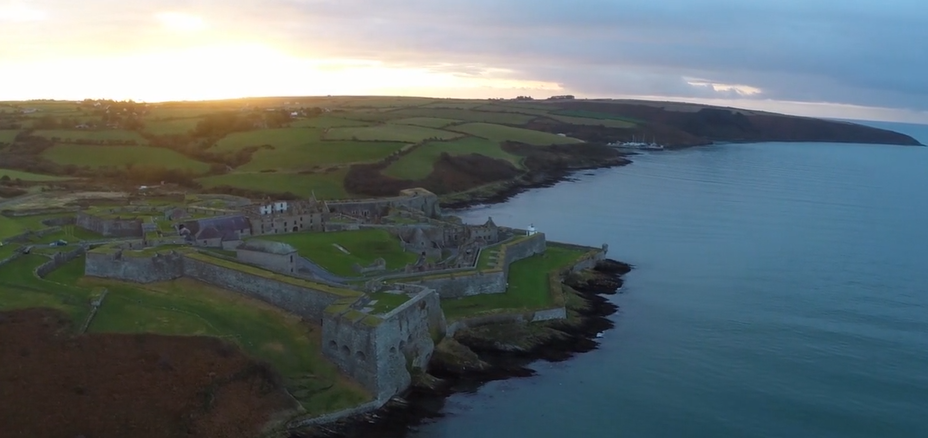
{"points": [[479, 355], [535, 179]]}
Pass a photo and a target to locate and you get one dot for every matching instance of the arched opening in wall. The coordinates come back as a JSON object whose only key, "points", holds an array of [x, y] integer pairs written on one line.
{"points": [[392, 350], [345, 351], [360, 356], [333, 346], [295, 229]]}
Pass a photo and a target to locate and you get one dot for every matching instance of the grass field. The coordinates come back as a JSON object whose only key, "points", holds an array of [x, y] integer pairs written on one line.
{"points": [[537, 110], [528, 286], [593, 115], [173, 126], [283, 138], [185, 111], [455, 104], [609, 123], [329, 185], [7, 135], [87, 134], [462, 114], [428, 122], [7, 250], [364, 247], [322, 153], [502, 133], [21, 289], [390, 132], [10, 227], [120, 156], [324, 122], [186, 307], [419, 163], [27, 176], [387, 302]]}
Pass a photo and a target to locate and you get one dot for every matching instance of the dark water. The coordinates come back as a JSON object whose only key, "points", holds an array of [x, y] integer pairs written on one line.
{"points": [[781, 290]]}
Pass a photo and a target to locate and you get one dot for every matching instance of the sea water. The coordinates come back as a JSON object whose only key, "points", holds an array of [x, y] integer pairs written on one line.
{"points": [[780, 290]]}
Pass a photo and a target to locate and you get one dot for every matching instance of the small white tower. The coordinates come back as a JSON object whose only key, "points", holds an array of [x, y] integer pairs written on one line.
{"points": [[531, 230]]}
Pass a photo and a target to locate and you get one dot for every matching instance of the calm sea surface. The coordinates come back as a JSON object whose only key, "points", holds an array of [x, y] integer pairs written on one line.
{"points": [[781, 290]]}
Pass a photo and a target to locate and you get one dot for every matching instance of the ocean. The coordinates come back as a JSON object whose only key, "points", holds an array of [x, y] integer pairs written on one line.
{"points": [[780, 290]]}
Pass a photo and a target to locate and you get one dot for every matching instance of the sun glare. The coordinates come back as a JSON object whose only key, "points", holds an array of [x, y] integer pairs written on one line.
{"points": [[182, 22], [18, 12]]}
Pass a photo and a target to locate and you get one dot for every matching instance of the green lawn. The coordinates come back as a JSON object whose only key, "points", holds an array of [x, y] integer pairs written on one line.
{"points": [[7, 250], [186, 307], [609, 123], [429, 122], [329, 185], [418, 164], [21, 289], [175, 111], [387, 302], [7, 135], [502, 133], [120, 156], [455, 104], [364, 247], [324, 122], [90, 134], [10, 227], [171, 126], [528, 286], [28, 176], [390, 132]]}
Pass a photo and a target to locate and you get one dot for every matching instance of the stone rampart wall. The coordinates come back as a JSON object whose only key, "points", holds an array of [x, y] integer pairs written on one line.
{"points": [[283, 263], [110, 227], [120, 266], [467, 284], [58, 260], [305, 302], [378, 352]]}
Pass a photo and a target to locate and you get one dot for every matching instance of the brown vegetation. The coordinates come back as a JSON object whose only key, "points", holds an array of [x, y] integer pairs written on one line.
{"points": [[54, 384]]}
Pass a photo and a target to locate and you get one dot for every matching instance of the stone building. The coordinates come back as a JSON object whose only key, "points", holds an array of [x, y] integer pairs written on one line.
{"points": [[226, 232], [373, 210], [274, 256], [109, 225], [431, 240], [286, 217]]}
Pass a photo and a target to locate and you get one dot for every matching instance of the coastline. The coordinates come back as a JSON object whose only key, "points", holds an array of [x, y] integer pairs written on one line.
{"points": [[475, 356]]}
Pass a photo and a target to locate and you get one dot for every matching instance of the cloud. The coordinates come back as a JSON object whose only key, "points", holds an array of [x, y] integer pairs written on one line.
{"points": [[860, 53]]}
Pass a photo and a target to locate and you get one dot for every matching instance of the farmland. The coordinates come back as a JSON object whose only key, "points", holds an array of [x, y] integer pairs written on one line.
{"points": [[463, 114], [429, 122], [328, 185], [418, 164], [505, 133], [390, 132], [7, 135], [171, 126], [92, 135], [121, 156], [324, 122]]}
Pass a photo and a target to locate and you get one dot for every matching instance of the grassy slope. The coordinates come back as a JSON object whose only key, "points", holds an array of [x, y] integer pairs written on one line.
{"points": [[389, 132], [502, 133], [324, 122], [418, 164], [7, 135], [528, 286], [27, 176], [462, 114], [429, 122], [329, 185], [364, 247], [174, 126], [609, 123], [302, 148], [119, 156], [186, 307], [86, 134]]}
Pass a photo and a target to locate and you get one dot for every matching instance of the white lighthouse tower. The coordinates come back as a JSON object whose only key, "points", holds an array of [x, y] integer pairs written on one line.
{"points": [[531, 230]]}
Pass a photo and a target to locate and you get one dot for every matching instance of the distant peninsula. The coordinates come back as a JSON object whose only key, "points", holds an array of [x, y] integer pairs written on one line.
{"points": [[465, 151]]}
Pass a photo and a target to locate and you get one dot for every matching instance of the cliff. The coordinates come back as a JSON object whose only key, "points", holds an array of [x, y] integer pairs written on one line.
{"points": [[682, 124]]}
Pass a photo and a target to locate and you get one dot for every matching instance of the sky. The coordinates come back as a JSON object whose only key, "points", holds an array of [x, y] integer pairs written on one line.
{"points": [[856, 59]]}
